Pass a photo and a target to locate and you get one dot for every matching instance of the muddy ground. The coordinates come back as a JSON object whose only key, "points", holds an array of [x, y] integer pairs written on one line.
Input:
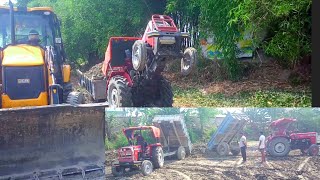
{"points": [[209, 165]]}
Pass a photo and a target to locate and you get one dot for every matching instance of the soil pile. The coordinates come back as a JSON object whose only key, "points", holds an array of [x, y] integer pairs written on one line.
{"points": [[95, 72]]}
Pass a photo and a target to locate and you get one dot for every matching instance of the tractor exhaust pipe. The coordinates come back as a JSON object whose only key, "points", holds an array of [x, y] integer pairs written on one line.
{"points": [[13, 34]]}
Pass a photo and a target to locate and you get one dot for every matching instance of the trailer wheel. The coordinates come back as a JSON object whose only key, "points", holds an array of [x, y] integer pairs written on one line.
{"points": [[235, 150], [157, 157], [117, 171], [75, 98], [181, 153], [223, 149], [146, 167], [188, 62], [119, 92], [67, 89], [139, 55], [313, 150], [279, 147]]}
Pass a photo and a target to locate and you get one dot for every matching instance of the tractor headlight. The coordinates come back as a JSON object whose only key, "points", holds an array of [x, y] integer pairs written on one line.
{"points": [[167, 40]]}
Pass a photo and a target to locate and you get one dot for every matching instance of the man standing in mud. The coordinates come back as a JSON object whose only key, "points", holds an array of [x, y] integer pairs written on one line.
{"points": [[262, 146], [243, 147]]}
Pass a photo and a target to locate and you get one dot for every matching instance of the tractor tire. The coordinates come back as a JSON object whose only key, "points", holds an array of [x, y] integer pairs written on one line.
{"points": [[189, 61], [75, 98], [313, 150], [67, 89], [117, 171], [181, 153], [234, 148], [119, 92], [139, 55], [223, 149], [279, 147], [146, 167], [166, 94], [157, 157]]}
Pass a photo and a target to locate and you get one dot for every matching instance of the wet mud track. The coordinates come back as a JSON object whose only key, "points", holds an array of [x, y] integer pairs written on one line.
{"points": [[210, 166]]}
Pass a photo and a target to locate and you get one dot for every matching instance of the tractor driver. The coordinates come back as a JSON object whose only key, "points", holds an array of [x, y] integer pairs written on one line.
{"points": [[139, 139], [33, 38]]}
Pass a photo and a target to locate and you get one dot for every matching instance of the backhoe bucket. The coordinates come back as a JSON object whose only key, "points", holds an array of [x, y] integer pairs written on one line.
{"points": [[52, 142]]}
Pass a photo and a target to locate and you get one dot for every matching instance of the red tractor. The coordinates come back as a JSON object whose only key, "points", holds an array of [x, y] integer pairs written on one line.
{"points": [[140, 154], [284, 137], [161, 43], [132, 67]]}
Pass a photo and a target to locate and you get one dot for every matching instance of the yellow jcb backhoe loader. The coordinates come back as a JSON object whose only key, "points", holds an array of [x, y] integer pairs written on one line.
{"points": [[44, 132]]}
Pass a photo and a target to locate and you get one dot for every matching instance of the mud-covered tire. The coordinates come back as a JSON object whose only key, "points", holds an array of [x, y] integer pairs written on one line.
{"points": [[279, 147], [166, 94], [75, 98], [117, 171], [234, 148], [181, 153], [67, 89], [146, 167], [189, 61], [139, 55], [119, 92], [313, 150], [157, 157], [223, 149]]}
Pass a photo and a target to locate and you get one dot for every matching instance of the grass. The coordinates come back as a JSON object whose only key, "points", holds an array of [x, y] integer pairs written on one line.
{"points": [[192, 97]]}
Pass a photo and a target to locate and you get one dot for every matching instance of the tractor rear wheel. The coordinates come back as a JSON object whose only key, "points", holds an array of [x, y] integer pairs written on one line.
{"points": [[139, 55], [117, 171], [223, 149], [119, 92], [279, 147], [75, 98], [157, 157], [146, 167], [181, 153], [313, 150], [165, 92], [189, 61]]}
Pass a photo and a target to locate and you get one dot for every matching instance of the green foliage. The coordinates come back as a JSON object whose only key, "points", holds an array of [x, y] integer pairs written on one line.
{"points": [[88, 25], [267, 98], [118, 141], [287, 23]]}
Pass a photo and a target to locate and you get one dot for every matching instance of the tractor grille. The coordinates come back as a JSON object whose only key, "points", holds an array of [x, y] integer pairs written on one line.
{"points": [[23, 82]]}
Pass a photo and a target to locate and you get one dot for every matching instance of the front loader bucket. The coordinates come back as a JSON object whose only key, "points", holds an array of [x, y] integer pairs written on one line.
{"points": [[52, 142]]}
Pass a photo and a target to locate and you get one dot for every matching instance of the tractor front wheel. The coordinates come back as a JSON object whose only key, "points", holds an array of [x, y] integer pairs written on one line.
{"points": [[157, 157], [117, 171], [279, 147], [146, 167], [119, 92], [139, 55], [189, 61], [313, 150]]}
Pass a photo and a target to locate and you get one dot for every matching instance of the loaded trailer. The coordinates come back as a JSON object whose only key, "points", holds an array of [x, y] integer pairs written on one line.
{"points": [[174, 135], [223, 140]]}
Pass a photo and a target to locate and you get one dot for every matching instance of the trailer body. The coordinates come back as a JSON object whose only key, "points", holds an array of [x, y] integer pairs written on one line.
{"points": [[223, 140]]}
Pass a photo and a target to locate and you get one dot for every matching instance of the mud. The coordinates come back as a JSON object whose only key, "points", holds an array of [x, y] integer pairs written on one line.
{"points": [[209, 165]]}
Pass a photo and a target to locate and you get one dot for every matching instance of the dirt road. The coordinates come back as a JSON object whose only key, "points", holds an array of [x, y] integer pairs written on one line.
{"points": [[209, 166]]}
